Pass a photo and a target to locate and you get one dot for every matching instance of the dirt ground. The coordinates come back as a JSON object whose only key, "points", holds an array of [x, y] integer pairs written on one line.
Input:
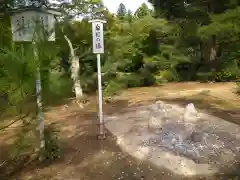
{"points": [[218, 99], [86, 158]]}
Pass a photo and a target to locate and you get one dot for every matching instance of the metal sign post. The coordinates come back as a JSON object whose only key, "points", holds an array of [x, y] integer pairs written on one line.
{"points": [[98, 48]]}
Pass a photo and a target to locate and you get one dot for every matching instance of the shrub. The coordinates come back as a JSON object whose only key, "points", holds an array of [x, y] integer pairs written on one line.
{"points": [[227, 75], [132, 80], [52, 149], [166, 76], [205, 76], [56, 88], [112, 88]]}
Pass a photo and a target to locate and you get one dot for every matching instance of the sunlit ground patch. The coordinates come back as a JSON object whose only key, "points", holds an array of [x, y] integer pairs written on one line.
{"points": [[187, 144]]}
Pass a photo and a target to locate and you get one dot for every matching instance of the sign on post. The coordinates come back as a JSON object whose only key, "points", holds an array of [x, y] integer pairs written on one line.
{"points": [[98, 39], [98, 48]]}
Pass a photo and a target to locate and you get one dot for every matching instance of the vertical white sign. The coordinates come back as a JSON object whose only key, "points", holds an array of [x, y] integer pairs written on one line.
{"points": [[98, 48], [98, 40]]}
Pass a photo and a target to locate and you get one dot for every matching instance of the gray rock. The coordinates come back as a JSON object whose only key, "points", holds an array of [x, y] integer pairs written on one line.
{"points": [[190, 113]]}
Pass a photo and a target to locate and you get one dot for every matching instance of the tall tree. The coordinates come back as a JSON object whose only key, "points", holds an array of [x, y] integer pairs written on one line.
{"points": [[170, 9], [129, 16], [185, 11], [122, 11], [142, 11], [72, 10]]}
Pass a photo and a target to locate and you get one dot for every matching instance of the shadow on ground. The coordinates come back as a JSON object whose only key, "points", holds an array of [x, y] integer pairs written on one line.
{"points": [[86, 157]]}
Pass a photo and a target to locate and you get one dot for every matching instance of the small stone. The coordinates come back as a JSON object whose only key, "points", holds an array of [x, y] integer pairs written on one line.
{"points": [[189, 112], [196, 137]]}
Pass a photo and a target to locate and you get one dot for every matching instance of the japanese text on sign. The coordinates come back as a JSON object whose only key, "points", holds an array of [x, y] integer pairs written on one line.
{"points": [[98, 46]]}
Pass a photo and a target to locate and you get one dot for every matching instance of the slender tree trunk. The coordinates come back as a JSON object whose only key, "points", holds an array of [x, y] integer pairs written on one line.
{"points": [[209, 53], [213, 8], [213, 53], [75, 71]]}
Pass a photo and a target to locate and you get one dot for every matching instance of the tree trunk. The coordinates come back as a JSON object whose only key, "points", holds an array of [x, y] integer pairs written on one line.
{"points": [[210, 53], [75, 71], [212, 56], [213, 53]]}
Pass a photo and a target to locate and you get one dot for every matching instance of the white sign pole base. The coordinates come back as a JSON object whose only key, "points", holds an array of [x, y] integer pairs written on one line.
{"points": [[100, 109]]}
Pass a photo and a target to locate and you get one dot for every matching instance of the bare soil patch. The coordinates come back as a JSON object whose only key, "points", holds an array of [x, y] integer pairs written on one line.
{"points": [[218, 99], [87, 158]]}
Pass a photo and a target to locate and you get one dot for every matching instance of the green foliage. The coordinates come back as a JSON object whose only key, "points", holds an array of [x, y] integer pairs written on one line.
{"points": [[167, 76], [122, 11], [225, 26], [137, 58], [26, 143], [139, 51], [208, 33], [227, 75], [5, 32], [144, 50], [142, 11], [59, 87], [132, 80], [129, 16], [17, 81], [170, 9], [112, 88], [205, 76], [52, 149]]}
